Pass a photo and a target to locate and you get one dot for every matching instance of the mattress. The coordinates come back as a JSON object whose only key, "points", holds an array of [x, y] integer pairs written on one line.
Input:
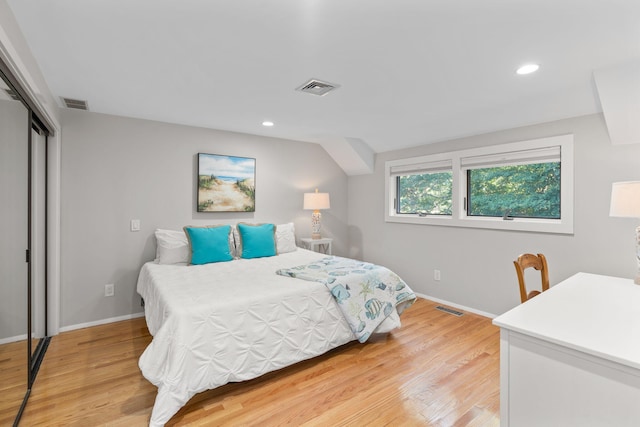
{"points": [[232, 321]]}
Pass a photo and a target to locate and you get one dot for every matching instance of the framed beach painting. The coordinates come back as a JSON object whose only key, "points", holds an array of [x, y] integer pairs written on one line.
{"points": [[226, 183]]}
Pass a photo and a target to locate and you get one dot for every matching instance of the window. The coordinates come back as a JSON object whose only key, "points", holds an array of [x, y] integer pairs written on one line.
{"points": [[519, 186], [524, 184], [423, 188], [425, 193]]}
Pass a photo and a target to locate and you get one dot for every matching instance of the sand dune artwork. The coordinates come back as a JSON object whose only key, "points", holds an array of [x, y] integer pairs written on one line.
{"points": [[226, 183]]}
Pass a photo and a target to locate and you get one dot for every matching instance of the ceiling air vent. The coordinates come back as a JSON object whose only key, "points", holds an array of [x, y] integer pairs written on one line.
{"points": [[76, 104], [317, 87], [12, 94]]}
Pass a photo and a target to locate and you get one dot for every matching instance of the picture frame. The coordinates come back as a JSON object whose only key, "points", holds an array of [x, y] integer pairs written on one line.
{"points": [[226, 183]]}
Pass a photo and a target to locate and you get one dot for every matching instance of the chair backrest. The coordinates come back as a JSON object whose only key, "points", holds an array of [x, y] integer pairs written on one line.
{"points": [[539, 262]]}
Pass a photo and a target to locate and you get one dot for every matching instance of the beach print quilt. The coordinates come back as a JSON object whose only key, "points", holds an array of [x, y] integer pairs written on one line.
{"points": [[366, 293]]}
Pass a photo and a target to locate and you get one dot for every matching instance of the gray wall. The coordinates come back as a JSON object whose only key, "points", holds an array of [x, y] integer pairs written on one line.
{"points": [[115, 169], [475, 264]]}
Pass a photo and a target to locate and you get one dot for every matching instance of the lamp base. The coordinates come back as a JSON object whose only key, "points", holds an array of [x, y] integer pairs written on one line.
{"points": [[315, 224]]}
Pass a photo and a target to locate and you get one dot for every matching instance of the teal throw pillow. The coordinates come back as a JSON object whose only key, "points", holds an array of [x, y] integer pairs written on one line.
{"points": [[209, 244], [257, 240]]}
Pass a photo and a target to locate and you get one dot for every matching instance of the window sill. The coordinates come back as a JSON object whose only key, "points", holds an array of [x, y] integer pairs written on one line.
{"points": [[516, 224]]}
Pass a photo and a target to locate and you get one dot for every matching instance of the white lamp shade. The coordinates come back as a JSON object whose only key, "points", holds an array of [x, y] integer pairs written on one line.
{"points": [[625, 199], [316, 201]]}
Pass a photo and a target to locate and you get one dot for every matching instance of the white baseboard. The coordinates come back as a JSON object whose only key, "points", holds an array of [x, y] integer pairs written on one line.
{"points": [[101, 322], [13, 339], [461, 307]]}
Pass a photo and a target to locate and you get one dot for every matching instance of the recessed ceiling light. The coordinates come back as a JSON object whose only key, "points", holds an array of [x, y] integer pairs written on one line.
{"points": [[267, 123], [528, 69]]}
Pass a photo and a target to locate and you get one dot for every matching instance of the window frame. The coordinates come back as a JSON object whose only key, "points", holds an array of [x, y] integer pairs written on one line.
{"points": [[459, 217]]}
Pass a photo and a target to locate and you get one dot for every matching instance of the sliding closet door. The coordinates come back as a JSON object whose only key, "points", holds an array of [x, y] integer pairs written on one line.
{"points": [[14, 201], [38, 236]]}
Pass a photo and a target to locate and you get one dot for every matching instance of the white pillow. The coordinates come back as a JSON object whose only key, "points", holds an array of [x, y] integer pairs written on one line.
{"points": [[172, 247], [285, 238]]}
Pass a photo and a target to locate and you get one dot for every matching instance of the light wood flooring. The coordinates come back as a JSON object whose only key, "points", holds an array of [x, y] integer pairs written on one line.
{"points": [[13, 379], [437, 370]]}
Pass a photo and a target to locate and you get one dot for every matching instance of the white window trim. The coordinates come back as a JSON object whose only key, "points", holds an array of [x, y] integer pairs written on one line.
{"points": [[459, 216]]}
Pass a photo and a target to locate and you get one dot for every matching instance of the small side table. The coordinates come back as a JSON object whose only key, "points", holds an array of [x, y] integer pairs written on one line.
{"points": [[318, 245]]}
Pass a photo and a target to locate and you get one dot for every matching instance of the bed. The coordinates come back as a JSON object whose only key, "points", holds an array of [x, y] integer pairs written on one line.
{"points": [[233, 321]]}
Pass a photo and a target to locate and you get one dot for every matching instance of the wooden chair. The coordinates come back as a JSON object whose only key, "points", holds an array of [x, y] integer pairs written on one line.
{"points": [[539, 262]]}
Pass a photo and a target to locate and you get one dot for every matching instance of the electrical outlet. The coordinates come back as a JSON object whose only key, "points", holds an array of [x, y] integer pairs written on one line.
{"points": [[436, 275], [109, 290]]}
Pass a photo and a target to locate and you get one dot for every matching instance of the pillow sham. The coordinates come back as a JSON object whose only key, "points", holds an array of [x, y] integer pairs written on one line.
{"points": [[209, 244], [285, 238], [237, 243], [172, 247], [256, 240]]}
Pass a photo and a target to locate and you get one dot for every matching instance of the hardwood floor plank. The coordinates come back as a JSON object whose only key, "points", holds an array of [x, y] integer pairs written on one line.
{"points": [[13, 379], [437, 370]]}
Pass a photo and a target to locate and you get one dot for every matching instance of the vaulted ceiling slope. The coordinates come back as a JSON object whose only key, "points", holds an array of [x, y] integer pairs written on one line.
{"points": [[410, 72]]}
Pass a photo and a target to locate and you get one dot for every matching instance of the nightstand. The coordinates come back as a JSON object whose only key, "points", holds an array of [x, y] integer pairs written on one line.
{"points": [[318, 245]]}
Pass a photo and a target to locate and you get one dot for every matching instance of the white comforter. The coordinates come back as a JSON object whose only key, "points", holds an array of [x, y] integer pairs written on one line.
{"points": [[232, 321]]}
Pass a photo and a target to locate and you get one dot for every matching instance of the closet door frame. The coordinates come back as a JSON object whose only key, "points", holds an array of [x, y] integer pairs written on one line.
{"points": [[35, 121]]}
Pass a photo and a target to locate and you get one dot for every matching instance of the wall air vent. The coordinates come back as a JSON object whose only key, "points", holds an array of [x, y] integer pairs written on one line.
{"points": [[449, 310], [76, 104], [11, 93], [317, 87]]}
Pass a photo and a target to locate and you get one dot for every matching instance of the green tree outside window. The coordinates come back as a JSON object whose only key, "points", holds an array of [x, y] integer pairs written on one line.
{"points": [[527, 191], [428, 193]]}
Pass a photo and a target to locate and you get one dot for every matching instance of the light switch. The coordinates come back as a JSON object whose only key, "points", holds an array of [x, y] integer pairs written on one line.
{"points": [[135, 225]]}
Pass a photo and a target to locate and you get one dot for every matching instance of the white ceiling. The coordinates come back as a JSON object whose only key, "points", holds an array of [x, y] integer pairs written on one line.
{"points": [[411, 72]]}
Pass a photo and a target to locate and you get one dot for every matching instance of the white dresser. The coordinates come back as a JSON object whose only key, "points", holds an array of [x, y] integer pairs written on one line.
{"points": [[571, 356]]}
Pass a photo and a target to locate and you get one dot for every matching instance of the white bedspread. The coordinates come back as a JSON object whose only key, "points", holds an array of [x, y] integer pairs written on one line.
{"points": [[232, 321]]}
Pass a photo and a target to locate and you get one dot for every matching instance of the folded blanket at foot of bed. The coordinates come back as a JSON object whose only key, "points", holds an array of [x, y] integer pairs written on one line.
{"points": [[366, 293]]}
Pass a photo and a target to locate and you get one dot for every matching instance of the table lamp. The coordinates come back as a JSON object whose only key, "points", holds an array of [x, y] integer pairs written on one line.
{"points": [[316, 201], [625, 202]]}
